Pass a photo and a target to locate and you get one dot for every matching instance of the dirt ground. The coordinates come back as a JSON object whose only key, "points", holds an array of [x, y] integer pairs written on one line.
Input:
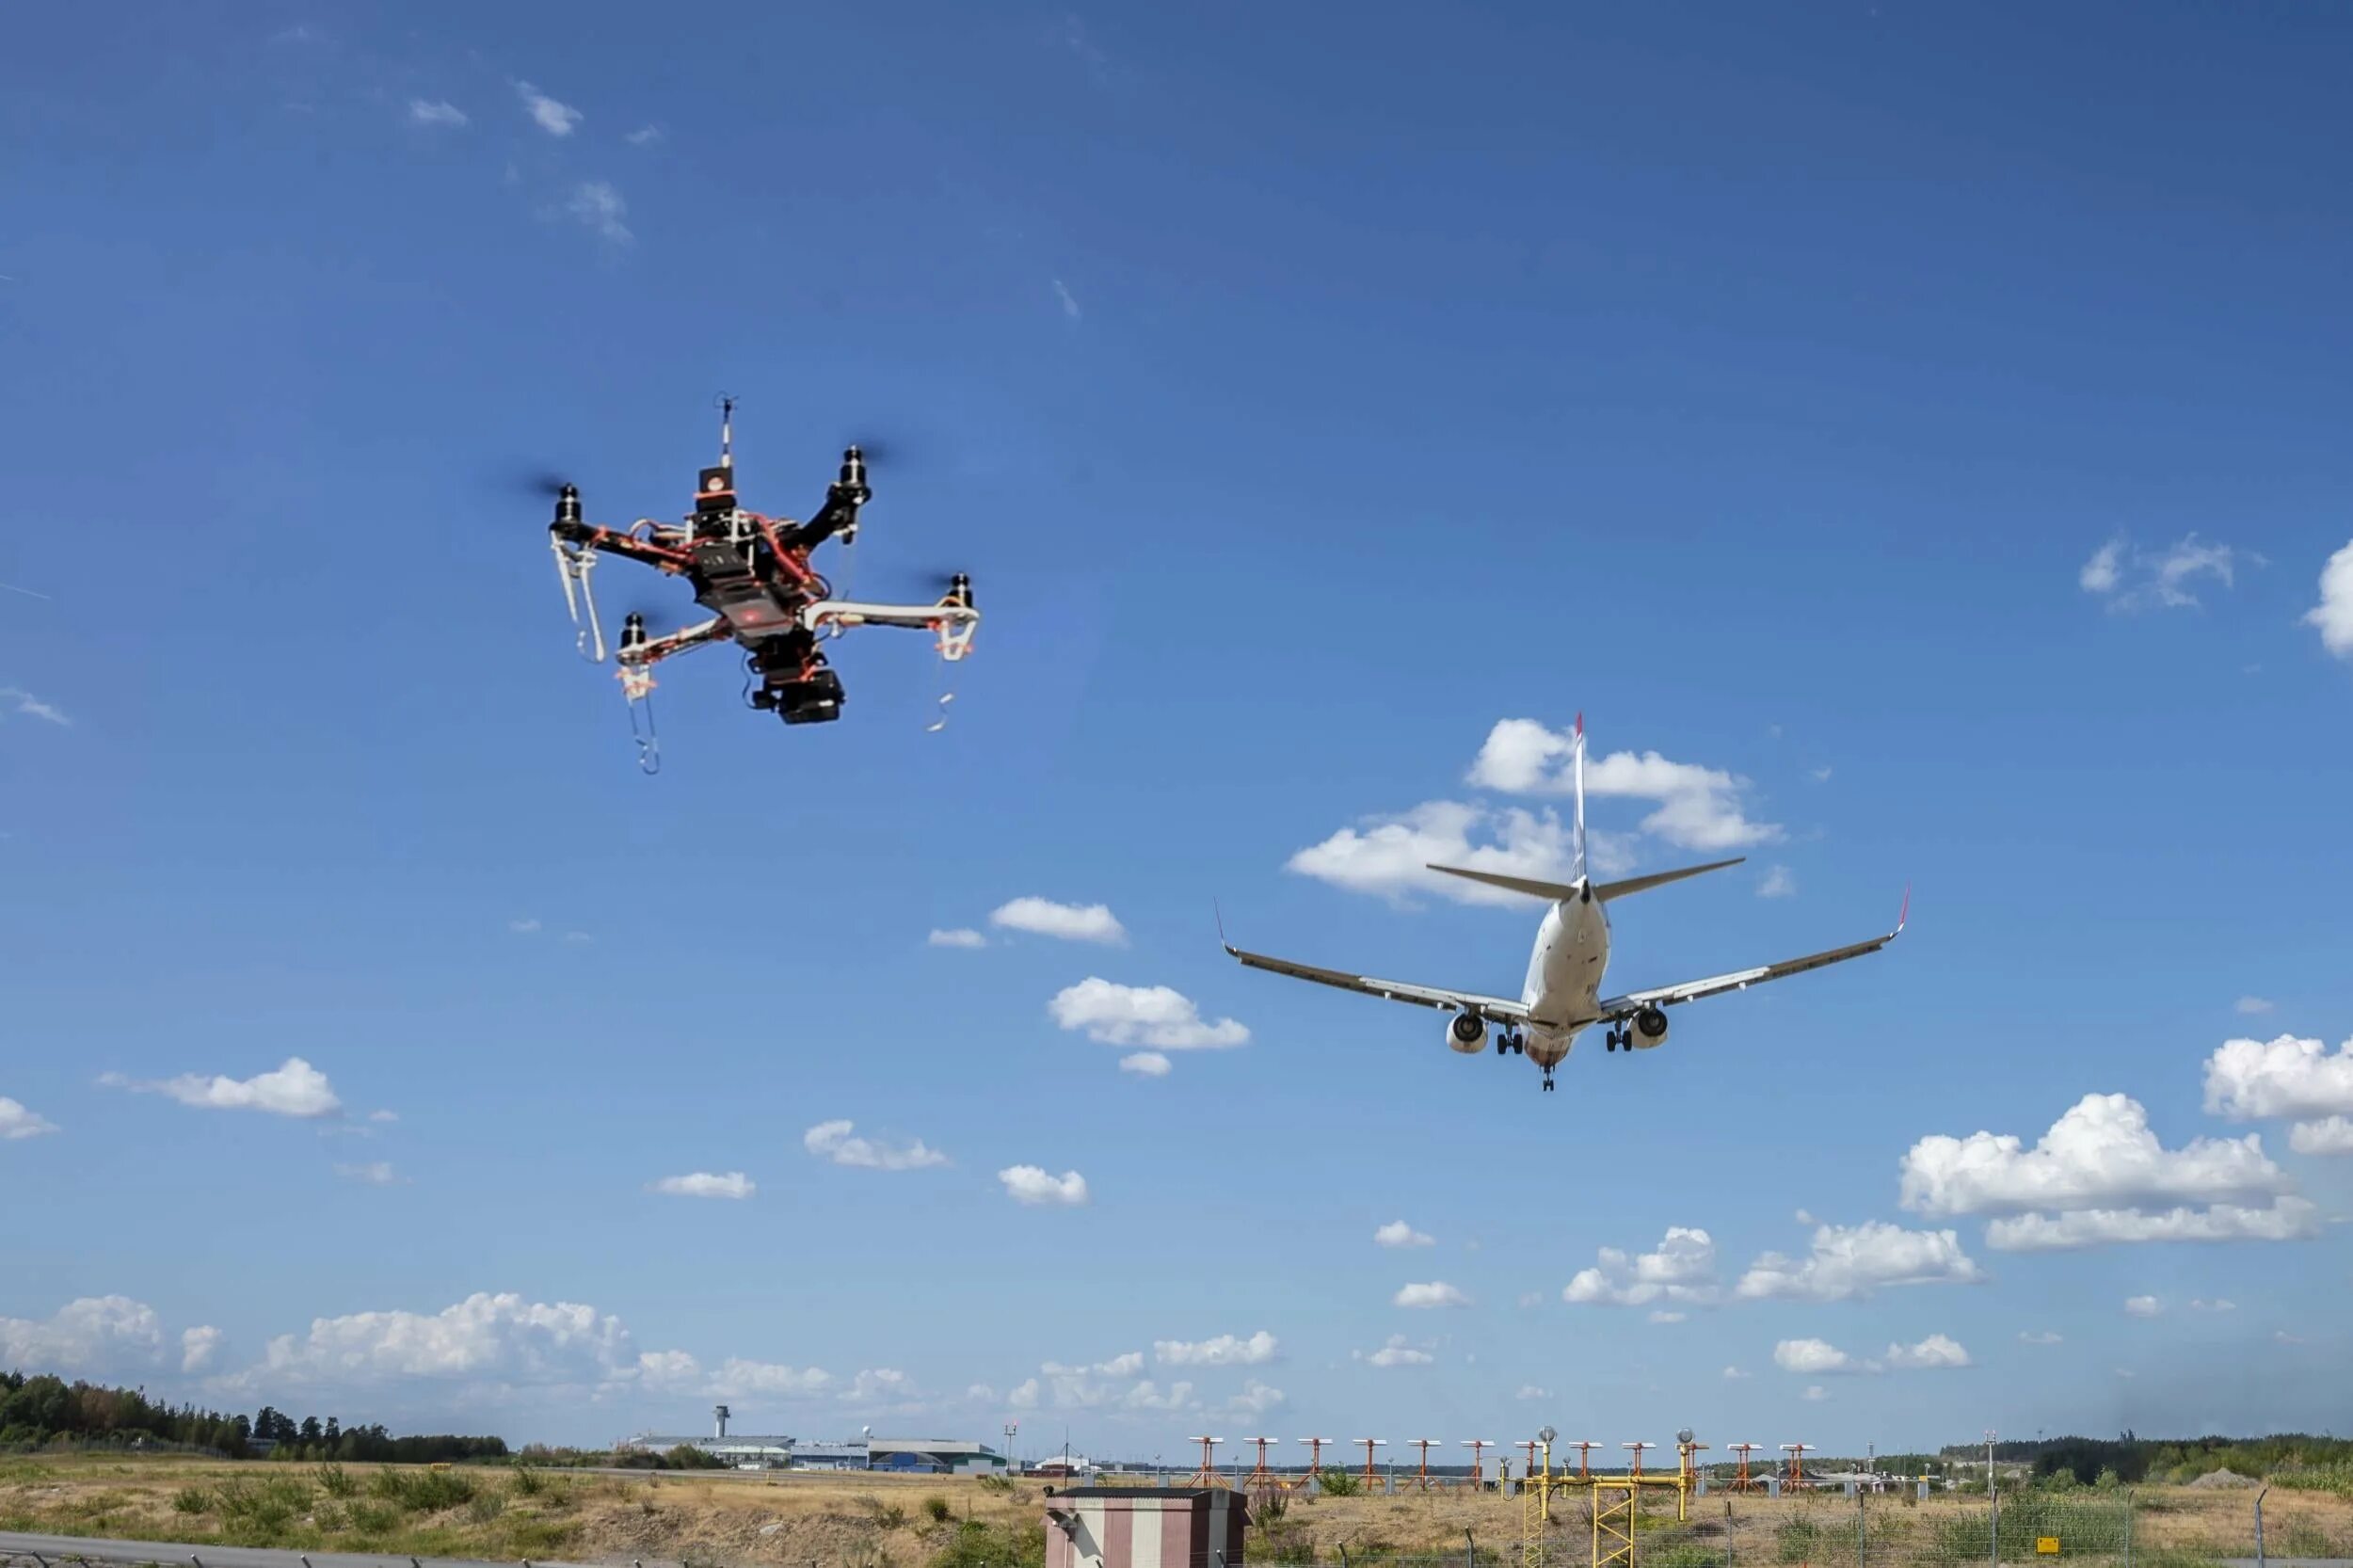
{"points": [[878, 1521]]}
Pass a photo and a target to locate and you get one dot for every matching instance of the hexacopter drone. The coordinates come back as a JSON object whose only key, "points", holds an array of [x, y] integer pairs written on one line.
{"points": [[752, 573]]}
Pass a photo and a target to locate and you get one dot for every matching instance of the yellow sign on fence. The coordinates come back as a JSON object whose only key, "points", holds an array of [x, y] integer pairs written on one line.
{"points": [[2046, 1545]]}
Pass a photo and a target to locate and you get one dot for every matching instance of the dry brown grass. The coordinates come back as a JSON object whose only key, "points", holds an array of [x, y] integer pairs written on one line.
{"points": [[870, 1520]]}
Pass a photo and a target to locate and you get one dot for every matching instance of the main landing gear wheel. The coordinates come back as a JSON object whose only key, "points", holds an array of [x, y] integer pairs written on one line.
{"points": [[1547, 1080]]}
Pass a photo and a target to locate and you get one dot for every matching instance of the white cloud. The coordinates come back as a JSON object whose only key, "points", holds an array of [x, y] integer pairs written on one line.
{"points": [[1682, 1270], [2333, 614], [555, 118], [2251, 1005], [1389, 857], [94, 1334], [2044, 1336], [1848, 1262], [2199, 1304], [1070, 922], [2130, 577], [1733, 1374], [833, 1141], [1436, 1292], [669, 1369], [1805, 1217], [576, 938], [737, 1377], [645, 135], [1069, 304], [2282, 1337], [294, 1089], [1820, 775], [382, 1116], [376, 1173], [524, 927], [960, 937], [2287, 1220], [1397, 1233], [1145, 1063], [17, 700], [423, 112], [485, 1338], [1223, 1350], [1024, 1395], [1398, 1352], [199, 1347], [2328, 1135], [1780, 882], [1149, 1396], [1665, 1316], [1256, 1399], [1815, 1393], [1816, 1357], [2143, 1306], [598, 207], [2099, 1154], [981, 1393], [876, 1385], [16, 1121], [704, 1184], [1152, 1016], [1530, 1391], [1031, 1185], [1124, 1365], [1934, 1354], [1696, 808]]}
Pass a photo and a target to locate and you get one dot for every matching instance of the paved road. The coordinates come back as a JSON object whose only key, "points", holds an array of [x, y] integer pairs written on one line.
{"points": [[25, 1549]]}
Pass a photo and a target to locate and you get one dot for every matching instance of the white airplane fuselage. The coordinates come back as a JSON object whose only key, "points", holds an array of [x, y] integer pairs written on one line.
{"points": [[1564, 972]]}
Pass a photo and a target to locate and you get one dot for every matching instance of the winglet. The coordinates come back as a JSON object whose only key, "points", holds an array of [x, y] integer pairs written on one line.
{"points": [[1903, 914], [1220, 916], [1581, 722]]}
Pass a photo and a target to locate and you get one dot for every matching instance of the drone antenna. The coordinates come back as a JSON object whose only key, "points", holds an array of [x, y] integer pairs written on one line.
{"points": [[726, 431]]}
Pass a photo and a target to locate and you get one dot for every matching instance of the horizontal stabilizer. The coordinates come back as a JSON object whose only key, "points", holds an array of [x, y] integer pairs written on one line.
{"points": [[1608, 890], [1516, 884]]}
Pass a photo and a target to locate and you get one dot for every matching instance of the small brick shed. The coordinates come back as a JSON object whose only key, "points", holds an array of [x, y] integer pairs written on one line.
{"points": [[1145, 1527]]}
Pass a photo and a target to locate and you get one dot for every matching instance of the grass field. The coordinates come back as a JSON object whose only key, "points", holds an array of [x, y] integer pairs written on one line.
{"points": [[878, 1521]]}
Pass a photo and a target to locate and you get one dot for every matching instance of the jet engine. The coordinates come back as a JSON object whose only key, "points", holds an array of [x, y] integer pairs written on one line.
{"points": [[1647, 1029], [1466, 1033]]}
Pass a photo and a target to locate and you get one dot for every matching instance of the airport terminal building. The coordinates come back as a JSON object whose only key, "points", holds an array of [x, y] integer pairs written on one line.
{"points": [[746, 1451]]}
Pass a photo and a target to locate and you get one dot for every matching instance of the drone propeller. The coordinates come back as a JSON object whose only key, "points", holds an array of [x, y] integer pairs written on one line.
{"points": [[537, 483]]}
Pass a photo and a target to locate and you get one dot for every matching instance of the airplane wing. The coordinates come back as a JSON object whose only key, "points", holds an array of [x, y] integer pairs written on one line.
{"points": [[1741, 979], [1502, 1009]]}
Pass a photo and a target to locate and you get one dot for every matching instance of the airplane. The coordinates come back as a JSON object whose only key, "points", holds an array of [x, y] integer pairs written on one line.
{"points": [[1563, 997]]}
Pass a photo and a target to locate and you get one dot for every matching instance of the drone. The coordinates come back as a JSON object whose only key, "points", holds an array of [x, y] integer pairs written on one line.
{"points": [[753, 574]]}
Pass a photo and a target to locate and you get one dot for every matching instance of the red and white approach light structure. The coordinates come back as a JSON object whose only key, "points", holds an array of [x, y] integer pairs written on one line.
{"points": [[1478, 1446], [1744, 1482], [1584, 1447], [1637, 1448], [1261, 1476], [1532, 1444], [1422, 1479], [1207, 1475], [1795, 1479], [1370, 1444], [1315, 1453]]}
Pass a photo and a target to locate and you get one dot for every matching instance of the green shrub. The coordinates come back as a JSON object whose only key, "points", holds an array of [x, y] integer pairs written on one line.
{"points": [[1337, 1484], [527, 1482], [978, 1545], [937, 1509], [192, 1499], [335, 1481], [485, 1507]]}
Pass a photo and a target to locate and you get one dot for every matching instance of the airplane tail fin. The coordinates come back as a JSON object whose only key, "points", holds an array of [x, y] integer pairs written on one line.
{"points": [[1608, 890], [1576, 841]]}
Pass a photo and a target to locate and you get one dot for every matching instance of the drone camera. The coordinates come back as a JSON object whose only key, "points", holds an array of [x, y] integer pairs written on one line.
{"points": [[568, 504], [716, 491]]}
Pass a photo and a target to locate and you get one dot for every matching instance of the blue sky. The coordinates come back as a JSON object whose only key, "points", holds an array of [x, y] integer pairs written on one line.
{"points": [[1922, 431]]}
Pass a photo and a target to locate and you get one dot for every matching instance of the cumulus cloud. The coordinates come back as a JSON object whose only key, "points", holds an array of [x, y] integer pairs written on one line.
{"points": [[2199, 1303], [1397, 1233], [645, 135], [1147, 1395], [737, 1378], [2032, 1337], [1733, 1374], [2101, 1151], [498, 1338], [17, 700], [1815, 1393], [1695, 808], [1780, 882], [1936, 1352], [294, 1089], [524, 926], [1664, 1317], [1152, 1016], [1847, 1262], [94, 1334], [1531, 1391], [1032, 1186], [1436, 1292], [1124, 1365], [1389, 857], [596, 207], [1226, 1350], [556, 119], [2289, 1079], [198, 1346], [704, 1184], [2287, 1220], [2328, 1135], [1256, 1399], [17, 1121], [1024, 1395], [2143, 1306], [2333, 615], [2130, 577], [960, 937], [1682, 1270], [434, 112], [834, 1141], [1069, 301], [2251, 1005], [1398, 1352], [1145, 1063], [1070, 922], [1816, 1357], [376, 1173], [1813, 1356]]}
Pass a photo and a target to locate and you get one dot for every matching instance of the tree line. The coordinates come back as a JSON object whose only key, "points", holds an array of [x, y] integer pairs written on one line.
{"points": [[39, 1411], [2133, 1459]]}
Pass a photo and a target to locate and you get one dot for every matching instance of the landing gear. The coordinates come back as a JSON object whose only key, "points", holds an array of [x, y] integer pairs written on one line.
{"points": [[1610, 1041], [1547, 1079], [1510, 1041]]}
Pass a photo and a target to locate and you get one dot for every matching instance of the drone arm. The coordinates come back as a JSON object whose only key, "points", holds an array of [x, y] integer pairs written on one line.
{"points": [[952, 622], [655, 649], [583, 535]]}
